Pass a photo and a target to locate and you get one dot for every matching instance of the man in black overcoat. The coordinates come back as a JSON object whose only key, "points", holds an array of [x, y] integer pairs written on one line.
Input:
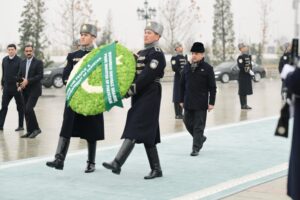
{"points": [[142, 124], [198, 94], [10, 69], [90, 128]]}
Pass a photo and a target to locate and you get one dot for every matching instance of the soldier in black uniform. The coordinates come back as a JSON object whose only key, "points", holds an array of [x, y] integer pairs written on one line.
{"points": [[142, 124], [90, 128], [284, 59], [245, 75], [198, 94], [10, 69], [293, 84], [178, 61]]}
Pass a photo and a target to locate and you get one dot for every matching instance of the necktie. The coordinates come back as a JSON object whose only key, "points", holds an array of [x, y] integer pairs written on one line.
{"points": [[27, 68]]}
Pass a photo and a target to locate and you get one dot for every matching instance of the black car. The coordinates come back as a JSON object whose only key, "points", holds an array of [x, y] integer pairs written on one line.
{"points": [[53, 76], [227, 71]]}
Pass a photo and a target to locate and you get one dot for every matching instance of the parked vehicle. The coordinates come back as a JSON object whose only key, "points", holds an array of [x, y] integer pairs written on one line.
{"points": [[228, 71], [53, 76]]}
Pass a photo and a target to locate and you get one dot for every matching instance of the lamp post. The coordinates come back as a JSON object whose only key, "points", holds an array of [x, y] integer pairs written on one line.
{"points": [[296, 8], [146, 13]]}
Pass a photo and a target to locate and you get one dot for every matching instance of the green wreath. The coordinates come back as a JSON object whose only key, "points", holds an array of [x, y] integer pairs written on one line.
{"points": [[88, 98]]}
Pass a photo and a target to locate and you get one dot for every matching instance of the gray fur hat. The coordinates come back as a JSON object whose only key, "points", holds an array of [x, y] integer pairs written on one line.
{"points": [[155, 27], [89, 28]]}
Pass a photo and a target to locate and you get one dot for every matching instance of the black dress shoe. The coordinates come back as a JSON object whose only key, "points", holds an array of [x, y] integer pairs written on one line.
{"points": [[26, 135], [90, 167], [1, 128], [195, 153], [34, 133], [19, 129]]}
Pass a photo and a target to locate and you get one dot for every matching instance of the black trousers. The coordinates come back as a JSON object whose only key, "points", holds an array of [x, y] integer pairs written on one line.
{"points": [[195, 121], [178, 109], [6, 98], [30, 118]]}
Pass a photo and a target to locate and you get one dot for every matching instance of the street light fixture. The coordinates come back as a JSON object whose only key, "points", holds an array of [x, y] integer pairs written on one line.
{"points": [[146, 13]]}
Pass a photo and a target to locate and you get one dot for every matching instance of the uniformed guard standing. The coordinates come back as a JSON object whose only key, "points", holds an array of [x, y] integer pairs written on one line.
{"points": [[292, 83], [198, 94], [90, 128], [245, 75], [284, 59], [142, 124], [178, 62]]}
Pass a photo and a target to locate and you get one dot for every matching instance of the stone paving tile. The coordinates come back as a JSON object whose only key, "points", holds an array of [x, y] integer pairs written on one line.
{"points": [[274, 190]]}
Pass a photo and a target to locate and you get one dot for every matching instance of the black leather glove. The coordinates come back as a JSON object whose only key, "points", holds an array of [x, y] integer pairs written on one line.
{"points": [[131, 91]]}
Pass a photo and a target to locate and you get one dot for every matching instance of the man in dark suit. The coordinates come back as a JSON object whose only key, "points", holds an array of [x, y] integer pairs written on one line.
{"points": [[198, 93], [10, 69], [31, 74]]}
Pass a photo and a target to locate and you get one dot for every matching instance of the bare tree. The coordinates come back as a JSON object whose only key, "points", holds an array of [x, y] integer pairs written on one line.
{"points": [[177, 20], [73, 14], [107, 30], [264, 13]]}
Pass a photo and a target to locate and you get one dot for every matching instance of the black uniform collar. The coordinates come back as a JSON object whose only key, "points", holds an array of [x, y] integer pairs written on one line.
{"points": [[87, 48], [153, 44]]}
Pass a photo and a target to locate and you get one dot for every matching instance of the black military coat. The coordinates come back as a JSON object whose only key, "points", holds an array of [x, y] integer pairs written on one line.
{"points": [[284, 59], [293, 85], [10, 70], [178, 62], [245, 79], [90, 128], [142, 122], [198, 86]]}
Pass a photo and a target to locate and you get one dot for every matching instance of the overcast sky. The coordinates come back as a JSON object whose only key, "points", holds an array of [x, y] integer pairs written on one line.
{"points": [[129, 29]]}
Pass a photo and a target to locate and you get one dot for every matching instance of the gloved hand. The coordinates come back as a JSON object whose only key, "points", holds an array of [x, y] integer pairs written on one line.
{"points": [[131, 91], [251, 72]]}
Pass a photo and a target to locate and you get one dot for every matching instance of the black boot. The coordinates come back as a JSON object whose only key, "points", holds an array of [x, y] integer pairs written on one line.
{"points": [[121, 157], [92, 146], [152, 155], [61, 152], [244, 105], [243, 101]]}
